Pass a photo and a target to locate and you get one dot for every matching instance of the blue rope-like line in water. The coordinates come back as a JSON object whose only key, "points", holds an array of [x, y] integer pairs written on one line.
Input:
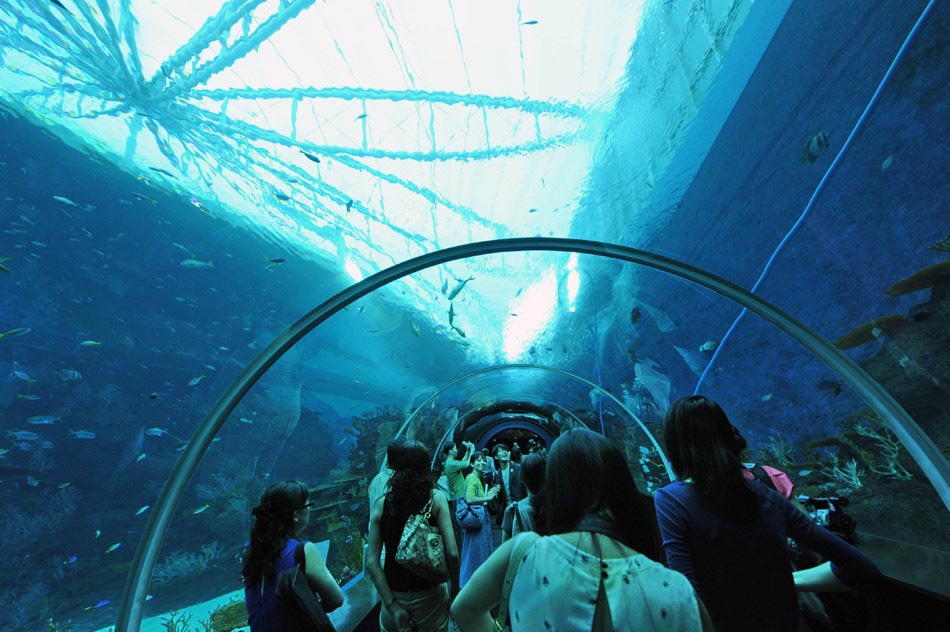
{"points": [[821, 184]]}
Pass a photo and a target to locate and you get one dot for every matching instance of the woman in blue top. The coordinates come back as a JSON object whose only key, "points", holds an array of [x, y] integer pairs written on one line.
{"points": [[283, 513], [727, 534]]}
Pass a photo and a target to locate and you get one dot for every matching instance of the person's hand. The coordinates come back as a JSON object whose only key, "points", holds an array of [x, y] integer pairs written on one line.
{"points": [[493, 492], [401, 616]]}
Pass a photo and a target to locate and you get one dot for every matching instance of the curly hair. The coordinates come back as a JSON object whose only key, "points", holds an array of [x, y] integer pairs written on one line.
{"points": [[273, 527]]}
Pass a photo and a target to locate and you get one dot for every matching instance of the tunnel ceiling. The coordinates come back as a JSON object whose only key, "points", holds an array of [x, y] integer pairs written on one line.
{"points": [[362, 134]]}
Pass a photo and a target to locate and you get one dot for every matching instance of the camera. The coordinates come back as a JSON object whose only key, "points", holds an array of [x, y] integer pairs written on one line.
{"points": [[829, 513]]}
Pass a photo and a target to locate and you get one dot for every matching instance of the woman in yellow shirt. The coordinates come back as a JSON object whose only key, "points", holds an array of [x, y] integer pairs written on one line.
{"points": [[476, 542]]}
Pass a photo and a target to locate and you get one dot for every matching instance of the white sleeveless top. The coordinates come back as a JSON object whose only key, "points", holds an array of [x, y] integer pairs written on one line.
{"points": [[557, 584]]}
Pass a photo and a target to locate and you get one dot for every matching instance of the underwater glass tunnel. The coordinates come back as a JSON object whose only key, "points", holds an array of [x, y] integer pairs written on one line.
{"points": [[253, 240]]}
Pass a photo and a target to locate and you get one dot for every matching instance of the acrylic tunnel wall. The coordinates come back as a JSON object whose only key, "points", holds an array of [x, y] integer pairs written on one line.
{"points": [[850, 450], [786, 146]]}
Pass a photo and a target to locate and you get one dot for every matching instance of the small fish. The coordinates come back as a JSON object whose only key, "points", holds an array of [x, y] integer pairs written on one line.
{"points": [[887, 162], [29, 397], [98, 533], [63, 485], [804, 472], [283, 197], [458, 288], [83, 434], [23, 435], [32, 482], [90, 343], [245, 420], [708, 347], [143, 509], [445, 287], [813, 147], [310, 157], [459, 331], [23, 376], [155, 432], [361, 116], [767, 397], [275, 262], [140, 457], [830, 386], [635, 315], [529, 22], [69, 375], [200, 509], [63, 199], [451, 314], [349, 205], [139, 196], [162, 171], [113, 547], [195, 263], [532, 210], [71, 560], [4, 451], [19, 331], [414, 327], [4, 268], [194, 381], [42, 420]]}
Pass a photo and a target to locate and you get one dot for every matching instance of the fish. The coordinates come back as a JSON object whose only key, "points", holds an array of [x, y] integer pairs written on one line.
{"points": [[32, 482], [663, 321], [195, 263], [19, 331], [310, 157], [23, 435], [69, 375], [245, 420], [708, 347], [349, 205], [42, 420], [63, 199], [155, 432], [283, 197], [143, 509], [767, 397], [277, 261], [162, 171], [71, 560], [90, 343], [98, 533], [695, 361], [83, 434], [887, 162], [140, 457], [414, 327], [529, 22], [113, 547], [830, 386], [194, 381], [361, 116], [635, 315], [29, 397], [144, 198], [654, 381], [451, 313], [4, 268], [23, 376], [445, 286], [224, 348], [804, 472], [813, 147], [200, 509], [458, 288], [4, 451], [63, 485], [459, 331]]}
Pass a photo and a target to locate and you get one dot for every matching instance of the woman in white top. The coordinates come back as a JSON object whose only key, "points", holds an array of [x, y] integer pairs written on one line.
{"points": [[594, 572]]}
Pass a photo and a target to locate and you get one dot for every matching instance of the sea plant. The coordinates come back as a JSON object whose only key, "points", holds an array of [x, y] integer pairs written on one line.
{"points": [[177, 621], [847, 474]]}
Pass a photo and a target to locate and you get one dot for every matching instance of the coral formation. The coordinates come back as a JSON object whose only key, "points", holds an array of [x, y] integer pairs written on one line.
{"points": [[182, 564], [229, 617], [847, 474], [926, 278]]}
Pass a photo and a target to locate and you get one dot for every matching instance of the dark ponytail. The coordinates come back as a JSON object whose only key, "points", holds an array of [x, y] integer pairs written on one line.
{"points": [[273, 527]]}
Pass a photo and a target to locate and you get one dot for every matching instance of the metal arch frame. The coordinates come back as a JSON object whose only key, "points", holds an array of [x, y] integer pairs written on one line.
{"points": [[918, 444]]}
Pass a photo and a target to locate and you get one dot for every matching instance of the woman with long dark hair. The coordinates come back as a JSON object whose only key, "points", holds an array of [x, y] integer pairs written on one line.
{"points": [[596, 568], [410, 601], [727, 533], [282, 514]]}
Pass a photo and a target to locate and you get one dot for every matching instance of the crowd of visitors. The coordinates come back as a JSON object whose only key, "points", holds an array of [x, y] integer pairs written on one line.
{"points": [[581, 548]]}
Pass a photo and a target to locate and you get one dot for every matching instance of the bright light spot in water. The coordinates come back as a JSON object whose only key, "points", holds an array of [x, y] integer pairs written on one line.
{"points": [[534, 309], [353, 271]]}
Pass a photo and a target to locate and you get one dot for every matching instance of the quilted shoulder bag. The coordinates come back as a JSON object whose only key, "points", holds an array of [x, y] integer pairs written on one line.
{"points": [[420, 548]]}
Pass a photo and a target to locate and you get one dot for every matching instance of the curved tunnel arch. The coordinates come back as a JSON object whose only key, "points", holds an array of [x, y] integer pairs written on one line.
{"points": [[918, 444]]}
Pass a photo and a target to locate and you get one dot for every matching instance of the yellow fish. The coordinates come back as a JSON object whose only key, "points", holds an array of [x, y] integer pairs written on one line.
{"points": [[113, 547]]}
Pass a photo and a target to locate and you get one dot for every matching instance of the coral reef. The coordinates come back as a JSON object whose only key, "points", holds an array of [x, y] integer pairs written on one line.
{"points": [[777, 452], [847, 474], [183, 564], [229, 617]]}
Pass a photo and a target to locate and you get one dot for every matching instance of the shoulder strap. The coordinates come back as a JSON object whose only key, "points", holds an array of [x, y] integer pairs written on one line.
{"points": [[762, 476], [299, 556], [525, 542]]}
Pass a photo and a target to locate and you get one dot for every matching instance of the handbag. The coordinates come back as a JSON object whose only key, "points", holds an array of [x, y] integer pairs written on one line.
{"points": [[420, 547], [294, 591], [469, 517]]}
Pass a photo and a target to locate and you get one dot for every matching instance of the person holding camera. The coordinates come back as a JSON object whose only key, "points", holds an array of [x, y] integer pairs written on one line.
{"points": [[727, 534]]}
